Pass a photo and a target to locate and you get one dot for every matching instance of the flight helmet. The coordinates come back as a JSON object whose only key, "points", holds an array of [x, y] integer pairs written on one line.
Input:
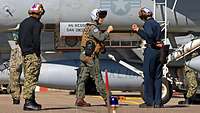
{"points": [[144, 13], [37, 8], [98, 13]]}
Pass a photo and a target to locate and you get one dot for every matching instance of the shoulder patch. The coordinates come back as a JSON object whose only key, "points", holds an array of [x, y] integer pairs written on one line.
{"points": [[96, 30]]}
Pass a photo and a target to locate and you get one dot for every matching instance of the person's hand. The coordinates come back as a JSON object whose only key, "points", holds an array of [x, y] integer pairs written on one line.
{"points": [[135, 28], [110, 28], [159, 44]]}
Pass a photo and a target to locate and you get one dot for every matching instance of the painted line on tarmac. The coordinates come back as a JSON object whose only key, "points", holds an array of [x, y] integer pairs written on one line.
{"points": [[122, 98], [134, 103], [128, 100], [132, 98]]}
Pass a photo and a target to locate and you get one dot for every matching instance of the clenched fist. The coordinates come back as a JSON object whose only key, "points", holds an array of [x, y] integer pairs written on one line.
{"points": [[110, 28], [135, 28]]}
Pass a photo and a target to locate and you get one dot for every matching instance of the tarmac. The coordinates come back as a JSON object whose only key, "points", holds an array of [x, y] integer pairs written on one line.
{"points": [[62, 102]]}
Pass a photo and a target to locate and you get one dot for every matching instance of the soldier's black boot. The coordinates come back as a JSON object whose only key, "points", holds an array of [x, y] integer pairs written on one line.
{"points": [[158, 106], [34, 101], [187, 101], [39, 105], [144, 105], [30, 105]]}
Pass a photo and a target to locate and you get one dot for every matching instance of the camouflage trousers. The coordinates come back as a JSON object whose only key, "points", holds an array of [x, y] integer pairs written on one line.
{"points": [[32, 65], [93, 72], [191, 79], [14, 87]]}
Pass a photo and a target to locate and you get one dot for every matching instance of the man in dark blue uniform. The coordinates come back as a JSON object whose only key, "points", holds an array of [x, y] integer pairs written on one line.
{"points": [[152, 66]]}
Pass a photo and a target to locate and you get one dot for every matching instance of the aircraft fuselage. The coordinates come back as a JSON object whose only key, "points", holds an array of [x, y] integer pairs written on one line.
{"points": [[121, 13]]}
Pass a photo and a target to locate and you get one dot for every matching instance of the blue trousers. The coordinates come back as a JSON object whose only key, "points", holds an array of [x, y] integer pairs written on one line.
{"points": [[152, 77]]}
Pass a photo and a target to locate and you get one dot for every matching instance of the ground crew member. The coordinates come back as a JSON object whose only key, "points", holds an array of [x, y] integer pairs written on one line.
{"points": [[152, 67], [91, 47], [14, 87], [191, 82], [29, 41]]}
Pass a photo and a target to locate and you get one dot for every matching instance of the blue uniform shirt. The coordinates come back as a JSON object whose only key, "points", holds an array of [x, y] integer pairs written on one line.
{"points": [[151, 32], [152, 67]]}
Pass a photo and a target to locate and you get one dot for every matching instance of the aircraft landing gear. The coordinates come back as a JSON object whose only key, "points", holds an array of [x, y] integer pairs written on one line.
{"points": [[167, 90]]}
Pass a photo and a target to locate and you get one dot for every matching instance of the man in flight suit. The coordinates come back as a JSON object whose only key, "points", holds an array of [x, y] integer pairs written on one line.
{"points": [[14, 87], [91, 47], [152, 67], [29, 41]]}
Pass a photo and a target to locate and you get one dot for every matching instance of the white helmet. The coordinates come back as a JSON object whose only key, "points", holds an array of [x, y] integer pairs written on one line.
{"points": [[98, 13]]}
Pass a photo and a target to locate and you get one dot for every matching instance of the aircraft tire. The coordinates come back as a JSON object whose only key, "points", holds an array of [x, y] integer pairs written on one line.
{"points": [[167, 91]]}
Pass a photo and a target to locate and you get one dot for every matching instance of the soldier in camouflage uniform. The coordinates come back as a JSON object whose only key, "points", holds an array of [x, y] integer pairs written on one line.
{"points": [[91, 47], [191, 82], [15, 71], [29, 41]]}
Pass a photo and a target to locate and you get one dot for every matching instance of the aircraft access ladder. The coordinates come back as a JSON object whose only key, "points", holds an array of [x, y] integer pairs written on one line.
{"points": [[163, 22]]}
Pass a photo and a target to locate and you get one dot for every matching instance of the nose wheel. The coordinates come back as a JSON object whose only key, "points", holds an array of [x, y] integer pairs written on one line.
{"points": [[167, 91]]}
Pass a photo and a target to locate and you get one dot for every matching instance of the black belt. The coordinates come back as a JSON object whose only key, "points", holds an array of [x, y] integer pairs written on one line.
{"points": [[147, 45], [27, 53], [30, 52], [151, 46]]}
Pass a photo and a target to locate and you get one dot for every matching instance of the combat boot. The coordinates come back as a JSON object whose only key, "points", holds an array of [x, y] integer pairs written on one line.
{"points": [[30, 105], [144, 105], [80, 102], [34, 101], [39, 105], [187, 101], [158, 106]]}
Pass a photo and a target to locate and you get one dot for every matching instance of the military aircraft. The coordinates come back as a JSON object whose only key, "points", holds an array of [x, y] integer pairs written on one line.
{"points": [[121, 13], [175, 16]]}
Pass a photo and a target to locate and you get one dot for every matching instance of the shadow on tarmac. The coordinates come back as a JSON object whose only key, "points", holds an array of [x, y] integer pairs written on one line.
{"points": [[58, 108]]}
